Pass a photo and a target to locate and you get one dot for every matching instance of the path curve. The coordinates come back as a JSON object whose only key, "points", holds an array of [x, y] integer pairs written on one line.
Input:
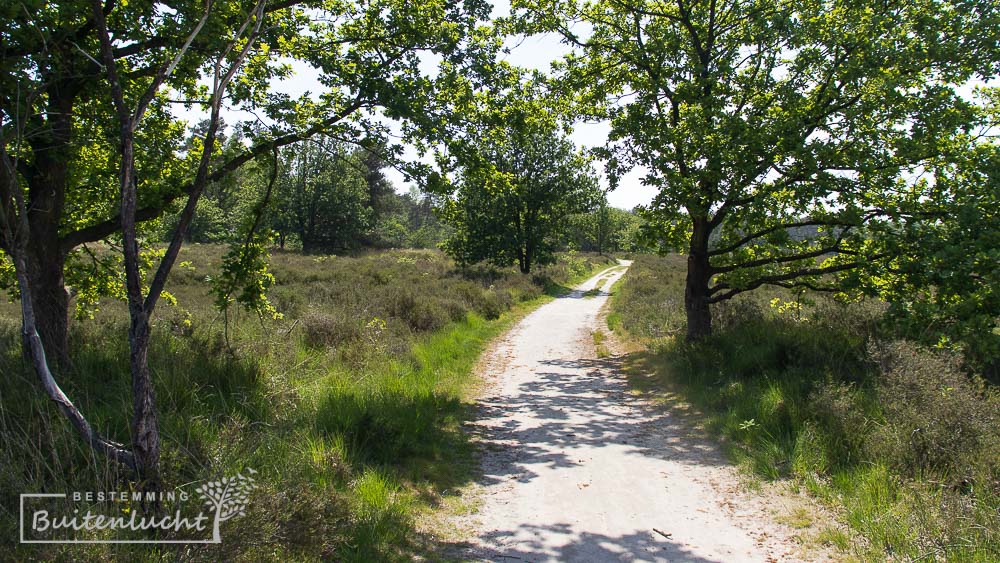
{"points": [[575, 468]]}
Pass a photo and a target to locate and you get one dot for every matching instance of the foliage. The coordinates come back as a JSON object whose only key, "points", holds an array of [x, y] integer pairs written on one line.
{"points": [[57, 119], [604, 229], [756, 119], [943, 285], [96, 272], [322, 196], [518, 178], [245, 277]]}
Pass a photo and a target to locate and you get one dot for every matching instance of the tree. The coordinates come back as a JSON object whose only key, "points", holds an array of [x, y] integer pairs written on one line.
{"points": [[57, 122], [132, 58], [519, 177], [324, 194], [759, 120], [948, 293], [605, 229], [53, 90], [372, 159]]}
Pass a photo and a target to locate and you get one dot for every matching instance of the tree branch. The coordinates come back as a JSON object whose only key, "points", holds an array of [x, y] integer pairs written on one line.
{"points": [[789, 276], [763, 232], [104, 229], [221, 82]]}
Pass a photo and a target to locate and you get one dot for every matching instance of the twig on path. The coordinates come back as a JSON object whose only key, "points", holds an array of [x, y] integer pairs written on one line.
{"points": [[664, 534]]}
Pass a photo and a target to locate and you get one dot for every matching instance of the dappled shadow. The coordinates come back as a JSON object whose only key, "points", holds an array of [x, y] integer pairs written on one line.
{"points": [[581, 403], [534, 543]]}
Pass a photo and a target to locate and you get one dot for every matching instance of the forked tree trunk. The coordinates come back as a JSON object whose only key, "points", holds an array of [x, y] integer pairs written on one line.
{"points": [[145, 432], [699, 274]]}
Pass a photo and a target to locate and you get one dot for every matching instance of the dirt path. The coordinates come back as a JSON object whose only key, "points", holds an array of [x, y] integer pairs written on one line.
{"points": [[577, 469]]}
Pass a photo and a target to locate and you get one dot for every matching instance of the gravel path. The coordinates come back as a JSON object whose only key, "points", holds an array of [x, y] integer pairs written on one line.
{"points": [[577, 469]]}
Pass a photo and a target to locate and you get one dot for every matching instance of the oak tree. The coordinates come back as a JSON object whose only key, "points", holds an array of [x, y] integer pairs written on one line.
{"points": [[777, 133]]}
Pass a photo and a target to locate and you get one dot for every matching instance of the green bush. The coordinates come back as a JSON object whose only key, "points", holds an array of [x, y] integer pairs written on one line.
{"points": [[322, 330], [420, 313]]}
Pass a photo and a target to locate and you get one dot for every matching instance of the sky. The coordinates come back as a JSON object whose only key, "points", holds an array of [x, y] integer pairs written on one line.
{"points": [[536, 52]]}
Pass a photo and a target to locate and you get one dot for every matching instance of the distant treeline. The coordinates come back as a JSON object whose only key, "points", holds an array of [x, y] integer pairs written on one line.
{"points": [[330, 197]]}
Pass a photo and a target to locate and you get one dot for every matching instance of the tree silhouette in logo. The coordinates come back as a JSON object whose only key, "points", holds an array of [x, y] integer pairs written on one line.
{"points": [[228, 497]]}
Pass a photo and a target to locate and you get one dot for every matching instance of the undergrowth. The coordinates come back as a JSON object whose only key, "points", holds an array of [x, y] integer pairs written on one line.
{"points": [[348, 408], [900, 440]]}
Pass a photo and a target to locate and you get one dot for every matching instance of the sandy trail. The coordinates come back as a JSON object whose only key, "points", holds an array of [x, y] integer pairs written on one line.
{"points": [[577, 469]]}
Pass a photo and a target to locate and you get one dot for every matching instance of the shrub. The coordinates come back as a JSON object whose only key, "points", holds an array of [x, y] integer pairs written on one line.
{"points": [[937, 418], [421, 313], [323, 330]]}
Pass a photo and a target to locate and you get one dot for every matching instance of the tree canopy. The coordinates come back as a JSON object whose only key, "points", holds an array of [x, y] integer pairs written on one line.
{"points": [[517, 177], [756, 119], [59, 122]]}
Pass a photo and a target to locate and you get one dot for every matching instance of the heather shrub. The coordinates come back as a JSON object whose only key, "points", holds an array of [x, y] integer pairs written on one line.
{"points": [[938, 419]]}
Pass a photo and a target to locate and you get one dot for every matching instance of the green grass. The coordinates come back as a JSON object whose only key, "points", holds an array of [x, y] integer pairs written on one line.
{"points": [[350, 408], [600, 344], [898, 440]]}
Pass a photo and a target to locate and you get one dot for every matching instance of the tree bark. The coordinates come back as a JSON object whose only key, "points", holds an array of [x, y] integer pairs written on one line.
{"points": [[699, 274], [44, 258], [522, 263], [145, 425], [50, 301]]}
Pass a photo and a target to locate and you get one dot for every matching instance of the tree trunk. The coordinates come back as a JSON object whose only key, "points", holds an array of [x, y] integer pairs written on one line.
{"points": [[44, 257], [699, 274], [145, 433], [50, 302]]}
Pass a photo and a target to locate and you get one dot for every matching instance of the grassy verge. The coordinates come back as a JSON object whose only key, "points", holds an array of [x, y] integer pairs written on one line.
{"points": [[898, 440], [349, 408]]}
